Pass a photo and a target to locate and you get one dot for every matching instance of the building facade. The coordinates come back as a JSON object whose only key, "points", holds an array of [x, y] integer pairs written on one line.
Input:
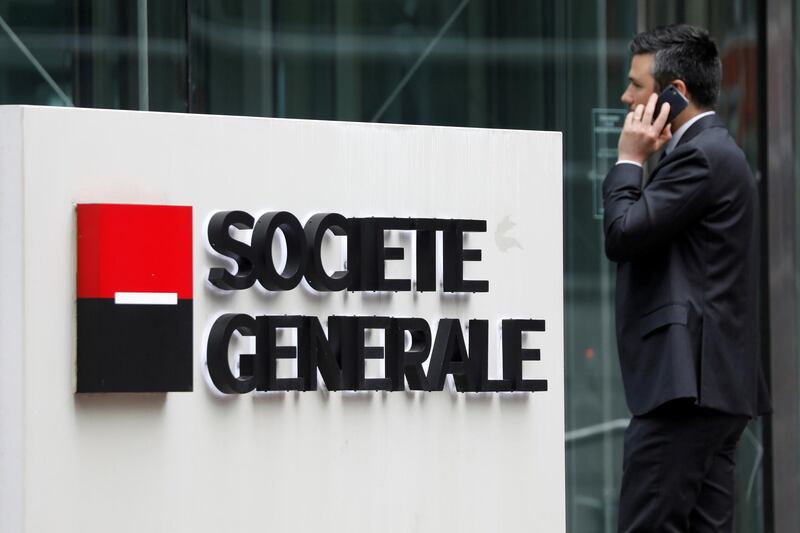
{"points": [[476, 63]]}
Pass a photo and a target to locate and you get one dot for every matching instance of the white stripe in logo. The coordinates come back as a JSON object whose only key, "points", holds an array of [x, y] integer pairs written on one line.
{"points": [[151, 298]]}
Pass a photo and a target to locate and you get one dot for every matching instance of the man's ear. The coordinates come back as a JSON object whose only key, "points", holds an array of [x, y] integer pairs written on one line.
{"points": [[681, 88]]}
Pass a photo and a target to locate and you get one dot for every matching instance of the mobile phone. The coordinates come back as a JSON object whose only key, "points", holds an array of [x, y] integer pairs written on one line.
{"points": [[677, 103]]}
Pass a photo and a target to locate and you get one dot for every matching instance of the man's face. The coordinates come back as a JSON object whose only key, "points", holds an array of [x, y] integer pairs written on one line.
{"points": [[640, 81]]}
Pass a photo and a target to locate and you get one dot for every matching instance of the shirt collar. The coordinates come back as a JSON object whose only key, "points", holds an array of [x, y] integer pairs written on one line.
{"points": [[676, 137]]}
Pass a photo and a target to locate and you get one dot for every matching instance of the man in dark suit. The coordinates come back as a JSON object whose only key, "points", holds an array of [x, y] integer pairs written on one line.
{"points": [[686, 245]]}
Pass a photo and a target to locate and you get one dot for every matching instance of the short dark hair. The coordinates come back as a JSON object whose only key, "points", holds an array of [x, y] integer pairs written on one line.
{"points": [[683, 52]]}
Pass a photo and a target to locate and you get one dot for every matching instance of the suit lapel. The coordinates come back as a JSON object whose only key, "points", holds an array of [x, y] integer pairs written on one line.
{"points": [[709, 121]]}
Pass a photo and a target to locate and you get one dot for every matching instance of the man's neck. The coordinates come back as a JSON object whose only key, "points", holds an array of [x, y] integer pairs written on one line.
{"points": [[680, 131], [686, 115]]}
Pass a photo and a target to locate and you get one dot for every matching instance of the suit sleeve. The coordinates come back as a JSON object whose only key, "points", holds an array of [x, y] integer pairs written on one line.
{"points": [[637, 220]]}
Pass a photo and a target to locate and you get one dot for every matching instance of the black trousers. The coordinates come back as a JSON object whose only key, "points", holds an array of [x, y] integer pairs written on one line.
{"points": [[679, 470]]}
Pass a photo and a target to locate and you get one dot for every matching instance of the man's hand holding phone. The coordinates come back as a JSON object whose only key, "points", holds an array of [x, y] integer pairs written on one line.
{"points": [[642, 136]]}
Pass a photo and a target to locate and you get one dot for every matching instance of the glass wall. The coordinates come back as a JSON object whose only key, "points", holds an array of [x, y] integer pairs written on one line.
{"points": [[480, 63], [796, 73], [94, 53]]}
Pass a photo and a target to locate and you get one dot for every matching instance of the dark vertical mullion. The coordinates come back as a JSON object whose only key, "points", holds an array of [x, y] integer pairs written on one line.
{"points": [[188, 58], [330, 73], [275, 79], [778, 224], [549, 67], [492, 37], [83, 96], [768, 470], [200, 79], [76, 53], [125, 66]]}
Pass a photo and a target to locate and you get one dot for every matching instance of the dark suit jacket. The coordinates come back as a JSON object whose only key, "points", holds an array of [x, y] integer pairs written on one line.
{"points": [[687, 251]]}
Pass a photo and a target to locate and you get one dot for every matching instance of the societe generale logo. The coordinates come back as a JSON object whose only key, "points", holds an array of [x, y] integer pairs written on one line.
{"points": [[134, 298]]}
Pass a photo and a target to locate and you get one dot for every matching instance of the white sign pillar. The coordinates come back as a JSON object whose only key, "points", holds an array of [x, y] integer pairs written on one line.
{"points": [[291, 461]]}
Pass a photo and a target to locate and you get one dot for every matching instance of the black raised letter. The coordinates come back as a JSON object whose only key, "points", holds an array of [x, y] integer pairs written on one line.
{"points": [[221, 241], [514, 354], [263, 232], [315, 232], [364, 352], [267, 347], [217, 355], [455, 255], [374, 253], [426, 253], [479, 360], [401, 362], [449, 356], [323, 353]]}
